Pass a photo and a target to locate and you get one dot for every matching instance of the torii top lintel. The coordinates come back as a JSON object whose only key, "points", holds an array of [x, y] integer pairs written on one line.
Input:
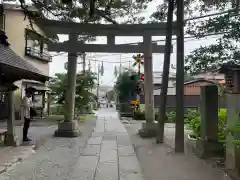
{"points": [[62, 27]]}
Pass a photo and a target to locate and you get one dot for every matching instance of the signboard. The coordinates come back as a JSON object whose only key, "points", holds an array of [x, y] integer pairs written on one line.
{"points": [[136, 102]]}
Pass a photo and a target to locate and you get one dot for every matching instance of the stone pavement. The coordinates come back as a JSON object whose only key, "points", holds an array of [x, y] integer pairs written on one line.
{"points": [[159, 162], [103, 152]]}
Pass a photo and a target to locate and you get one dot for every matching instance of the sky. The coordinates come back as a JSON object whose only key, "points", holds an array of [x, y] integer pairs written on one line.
{"points": [[111, 60]]}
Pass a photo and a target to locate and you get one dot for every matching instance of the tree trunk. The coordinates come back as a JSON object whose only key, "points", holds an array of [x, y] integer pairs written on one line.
{"points": [[165, 77], [179, 129]]}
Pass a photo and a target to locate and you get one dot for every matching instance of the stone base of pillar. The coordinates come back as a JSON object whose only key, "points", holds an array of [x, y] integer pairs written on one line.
{"points": [[208, 149], [11, 140], [148, 130], [67, 129]]}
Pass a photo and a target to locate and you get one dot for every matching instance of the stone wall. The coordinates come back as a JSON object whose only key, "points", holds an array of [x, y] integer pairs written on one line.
{"points": [[191, 101]]}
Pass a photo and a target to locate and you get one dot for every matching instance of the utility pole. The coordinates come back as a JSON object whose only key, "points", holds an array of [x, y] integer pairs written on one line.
{"points": [[179, 129], [89, 65], [84, 61], [120, 71], [98, 72]]}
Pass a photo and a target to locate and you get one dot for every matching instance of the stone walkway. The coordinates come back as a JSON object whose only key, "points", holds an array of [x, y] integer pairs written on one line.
{"points": [[103, 152], [109, 154]]}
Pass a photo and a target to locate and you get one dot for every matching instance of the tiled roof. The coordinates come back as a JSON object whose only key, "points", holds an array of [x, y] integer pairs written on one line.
{"points": [[9, 58]]}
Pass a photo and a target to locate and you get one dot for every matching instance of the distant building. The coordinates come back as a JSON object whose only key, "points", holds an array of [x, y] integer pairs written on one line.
{"points": [[191, 89]]}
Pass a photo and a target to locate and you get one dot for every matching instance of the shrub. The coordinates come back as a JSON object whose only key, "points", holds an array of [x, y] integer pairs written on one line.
{"points": [[57, 109], [222, 121], [138, 115], [171, 117], [194, 123]]}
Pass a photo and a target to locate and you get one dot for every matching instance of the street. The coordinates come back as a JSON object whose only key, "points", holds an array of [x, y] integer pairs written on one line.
{"points": [[104, 151]]}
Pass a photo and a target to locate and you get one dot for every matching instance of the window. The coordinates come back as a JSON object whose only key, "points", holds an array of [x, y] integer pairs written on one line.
{"points": [[229, 80], [36, 46]]}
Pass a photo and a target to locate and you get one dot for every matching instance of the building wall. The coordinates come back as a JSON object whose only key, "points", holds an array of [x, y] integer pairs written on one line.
{"points": [[15, 29]]}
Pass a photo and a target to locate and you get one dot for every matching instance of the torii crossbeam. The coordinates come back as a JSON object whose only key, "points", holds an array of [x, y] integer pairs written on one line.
{"points": [[68, 127]]}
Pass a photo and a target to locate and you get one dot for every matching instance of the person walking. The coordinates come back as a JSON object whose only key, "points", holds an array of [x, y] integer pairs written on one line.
{"points": [[27, 105]]}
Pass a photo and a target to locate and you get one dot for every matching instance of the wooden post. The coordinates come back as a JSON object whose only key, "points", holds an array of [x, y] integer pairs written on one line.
{"points": [[11, 138], [165, 78], [179, 129]]}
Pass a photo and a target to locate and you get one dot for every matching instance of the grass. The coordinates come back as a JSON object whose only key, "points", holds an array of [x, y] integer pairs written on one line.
{"points": [[85, 117]]}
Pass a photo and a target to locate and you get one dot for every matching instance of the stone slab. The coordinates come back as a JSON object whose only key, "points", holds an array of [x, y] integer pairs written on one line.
{"points": [[109, 145], [124, 140], [108, 156], [97, 134], [107, 171], [109, 137], [91, 150], [94, 140], [130, 176]]}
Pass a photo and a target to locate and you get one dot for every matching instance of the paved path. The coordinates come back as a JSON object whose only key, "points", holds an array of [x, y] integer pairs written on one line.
{"points": [[104, 152]]}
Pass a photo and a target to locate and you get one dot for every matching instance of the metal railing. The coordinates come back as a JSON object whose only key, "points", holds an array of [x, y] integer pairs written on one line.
{"points": [[30, 51]]}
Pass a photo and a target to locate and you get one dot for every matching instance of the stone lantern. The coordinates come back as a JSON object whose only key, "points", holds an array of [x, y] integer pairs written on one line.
{"points": [[232, 97], [232, 77]]}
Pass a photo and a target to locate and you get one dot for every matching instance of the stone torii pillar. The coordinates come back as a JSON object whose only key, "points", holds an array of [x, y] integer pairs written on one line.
{"points": [[69, 127], [149, 128], [11, 139]]}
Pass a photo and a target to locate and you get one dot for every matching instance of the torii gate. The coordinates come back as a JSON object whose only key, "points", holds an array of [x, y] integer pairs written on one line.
{"points": [[69, 128]]}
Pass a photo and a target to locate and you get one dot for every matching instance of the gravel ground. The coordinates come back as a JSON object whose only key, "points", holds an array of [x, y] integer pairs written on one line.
{"points": [[159, 162], [53, 161]]}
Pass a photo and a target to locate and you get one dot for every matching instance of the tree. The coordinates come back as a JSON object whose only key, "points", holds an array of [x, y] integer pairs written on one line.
{"points": [[58, 85], [226, 47], [84, 82], [225, 25], [192, 7], [123, 81], [166, 66], [88, 11], [115, 71]]}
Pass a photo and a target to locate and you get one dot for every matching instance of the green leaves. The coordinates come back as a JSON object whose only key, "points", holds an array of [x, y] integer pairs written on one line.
{"points": [[225, 49], [125, 87], [84, 82]]}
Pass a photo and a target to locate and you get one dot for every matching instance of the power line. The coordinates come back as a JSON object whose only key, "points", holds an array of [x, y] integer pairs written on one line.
{"points": [[213, 14], [188, 19], [116, 62]]}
